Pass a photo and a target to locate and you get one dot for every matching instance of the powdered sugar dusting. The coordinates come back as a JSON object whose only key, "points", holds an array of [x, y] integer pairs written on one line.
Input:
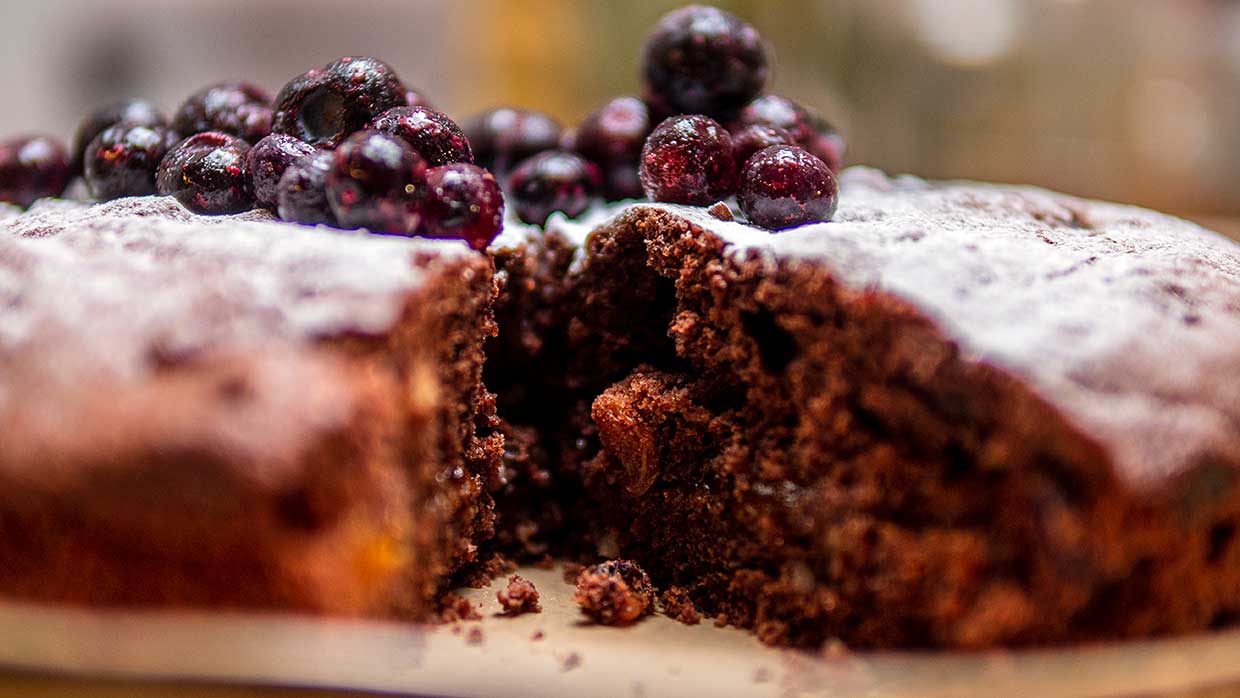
{"points": [[102, 288]]}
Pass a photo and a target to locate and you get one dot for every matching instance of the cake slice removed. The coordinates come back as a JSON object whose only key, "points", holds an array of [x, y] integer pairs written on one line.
{"points": [[234, 412], [959, 415]]}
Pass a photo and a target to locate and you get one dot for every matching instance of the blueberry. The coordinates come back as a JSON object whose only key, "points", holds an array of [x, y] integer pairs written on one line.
{"points": [[376, 182], [785, 186], [31, 168], [688, 160], [237, 108], [612, 138], [323, 107], [123, 159], [433, 135], [267, 161], [750, 139], [810, 130], [301, 194], [207, 173], [702, 60], [552, 181], [462, 202], [503, 137], [135, 112]]}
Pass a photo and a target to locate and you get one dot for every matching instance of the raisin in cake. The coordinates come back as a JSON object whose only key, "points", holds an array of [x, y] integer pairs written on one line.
{"points": [[960, 415], [238, 412]]}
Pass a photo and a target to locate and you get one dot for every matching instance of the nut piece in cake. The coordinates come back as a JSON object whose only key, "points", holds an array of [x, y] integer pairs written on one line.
{"points": [[519, 596], [616, 592]]}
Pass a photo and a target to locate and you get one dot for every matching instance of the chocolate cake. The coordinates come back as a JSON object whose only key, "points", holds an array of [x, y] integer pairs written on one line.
{"points": [[958, 415], [237, 412]]}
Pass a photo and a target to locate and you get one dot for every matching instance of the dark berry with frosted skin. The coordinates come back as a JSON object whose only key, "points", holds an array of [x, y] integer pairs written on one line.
{"points": [[688, 160], [135, 112], [301, 194], [750, 139], [123, 160], [324, 106], [32, 167], [612, 137], [503, 137], [785, 186], [207, 173], [702, 60], [376, 182], [810, 130], [552, 181], [432, 134], [237, 108], [462, 202], [268, 160]]}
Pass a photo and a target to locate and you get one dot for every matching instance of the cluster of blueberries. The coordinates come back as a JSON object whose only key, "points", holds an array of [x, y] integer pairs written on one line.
{"points": [[349, 145]]}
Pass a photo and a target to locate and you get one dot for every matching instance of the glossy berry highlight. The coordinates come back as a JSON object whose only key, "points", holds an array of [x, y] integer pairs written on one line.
{"points": [[688, 160], [376, 182], [268, 160], [501, 138], [207, 174], [31, 168], [123, 160], [432, 134], [703, 60], [324, 106], [552, 181], [135, 112], [237, 108], [751, 139], [462, 202], [810, 130], [301, 193], [612, 138], [786, 186]]}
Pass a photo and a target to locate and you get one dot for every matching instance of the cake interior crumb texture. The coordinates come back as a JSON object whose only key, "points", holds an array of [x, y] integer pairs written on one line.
{"points": [[960, 415], [236, 412]]}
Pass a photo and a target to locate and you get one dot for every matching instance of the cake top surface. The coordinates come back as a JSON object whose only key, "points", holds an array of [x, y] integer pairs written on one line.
{"points": [[1126, 319], [105, 290]]}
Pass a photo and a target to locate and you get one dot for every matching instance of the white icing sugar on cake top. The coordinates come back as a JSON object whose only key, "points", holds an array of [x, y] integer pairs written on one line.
{"points": [[102, 286]]}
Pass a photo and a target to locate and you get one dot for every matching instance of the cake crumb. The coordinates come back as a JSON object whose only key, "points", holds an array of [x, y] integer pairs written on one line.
{"points": [[570, 662], [546, 562], [480, 574], [475, 636], [572, 570], [520, 596], [538, 635], [721, 621], [616, 592], [679, 607], [761, 675], [504, 564], [721, 211], [453, 608]]}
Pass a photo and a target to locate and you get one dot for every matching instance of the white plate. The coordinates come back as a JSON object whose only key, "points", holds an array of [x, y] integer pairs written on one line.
{"points": [[657, 657]]}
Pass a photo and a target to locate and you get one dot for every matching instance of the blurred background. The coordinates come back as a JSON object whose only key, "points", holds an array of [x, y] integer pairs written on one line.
{"points": [[1132, 100]]}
